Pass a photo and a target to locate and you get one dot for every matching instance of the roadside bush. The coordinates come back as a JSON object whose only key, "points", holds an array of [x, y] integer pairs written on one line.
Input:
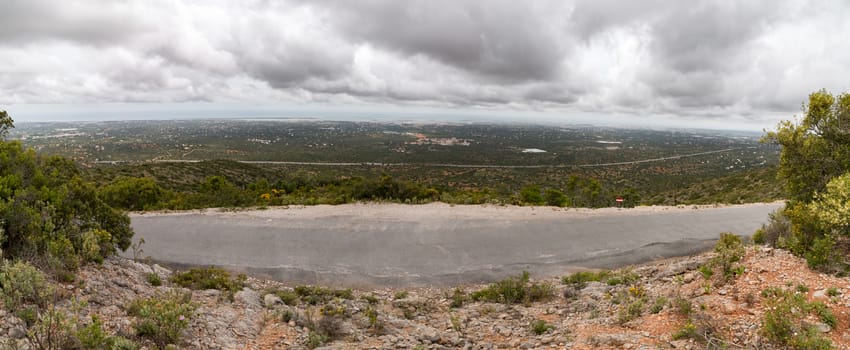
{"points": [[777, 227], [162, 318], [21, 283], [514, 290], [133, 193], [531, 195], [209, 278], [556, 198]]}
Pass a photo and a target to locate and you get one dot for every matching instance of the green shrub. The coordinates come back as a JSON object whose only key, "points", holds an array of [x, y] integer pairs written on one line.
{"points": [[683, 306], [369, 298], [93, 336], [458, 297], [531, 195], [154, 279], [688, 330], [579, 279], [821, 255], [729, 250], [51, 215], [288, 297], [631, 311], [658, 305], [514, 290], [53, 330], [824, 313], [400, 295], [315, 340], [556, 198], [208, 278], [784, 320], [162, 318], [625, 276], [121, 343], [759, 236], [22, 283], [832, 291], [315, 295], [539, 327]]}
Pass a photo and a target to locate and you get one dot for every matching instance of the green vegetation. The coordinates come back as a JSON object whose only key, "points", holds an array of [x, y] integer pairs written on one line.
{"points": [[539, 327], [729, 250], [579, 280], [814, 167], [209, 278], [315, 295], [744, 172], [22, 284], [162, 318], [514, 290], [154, 279], [51, 217], [458, 298], [784, 320]]}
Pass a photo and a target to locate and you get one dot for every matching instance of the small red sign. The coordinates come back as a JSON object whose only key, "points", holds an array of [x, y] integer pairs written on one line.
{"points": [[619, 199]]}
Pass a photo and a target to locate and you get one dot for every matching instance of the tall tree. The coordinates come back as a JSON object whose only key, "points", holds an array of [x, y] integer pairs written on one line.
{"points": [[6, 123], [817, 148]]}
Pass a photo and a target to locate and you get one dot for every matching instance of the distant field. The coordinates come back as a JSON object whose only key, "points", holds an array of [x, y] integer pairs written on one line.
{"points": [[658, 167]]}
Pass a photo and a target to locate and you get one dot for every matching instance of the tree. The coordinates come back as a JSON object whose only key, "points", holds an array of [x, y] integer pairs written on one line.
{"points": [[814, 164], [50, 216], [6, 123], [817, 149], [832, 207]]}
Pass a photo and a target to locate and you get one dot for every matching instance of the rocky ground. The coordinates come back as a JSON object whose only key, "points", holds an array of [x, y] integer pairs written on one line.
{"points": [[643, 313]]}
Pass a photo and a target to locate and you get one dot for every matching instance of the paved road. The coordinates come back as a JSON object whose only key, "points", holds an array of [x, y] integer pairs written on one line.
{"points": [[436, 244]]}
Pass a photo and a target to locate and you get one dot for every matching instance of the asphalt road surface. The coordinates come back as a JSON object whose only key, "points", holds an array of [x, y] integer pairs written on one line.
{"points": [[396, 245]]}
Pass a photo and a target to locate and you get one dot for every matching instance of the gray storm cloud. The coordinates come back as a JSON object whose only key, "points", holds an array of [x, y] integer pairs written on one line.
{"points": [[708, 59]]}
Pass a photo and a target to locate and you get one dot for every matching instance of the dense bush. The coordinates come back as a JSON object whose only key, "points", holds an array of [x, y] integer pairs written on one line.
{"points": [[784, 320], [514, 290], [815, 169], [729, 250], [51, 217], [162, 318], [131, 193], [21, 284], [208, 278]]}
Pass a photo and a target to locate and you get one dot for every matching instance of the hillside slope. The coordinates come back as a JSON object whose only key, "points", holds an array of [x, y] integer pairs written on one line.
{"points": [[642, 307]]}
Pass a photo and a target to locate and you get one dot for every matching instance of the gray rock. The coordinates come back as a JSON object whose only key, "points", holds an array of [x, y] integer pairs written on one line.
{"points": [[823, 327], [271, 300], [17, 333], [247, 297]]}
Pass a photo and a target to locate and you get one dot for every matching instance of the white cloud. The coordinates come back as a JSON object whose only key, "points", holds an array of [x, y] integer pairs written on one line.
{"points": [[711, 59]]}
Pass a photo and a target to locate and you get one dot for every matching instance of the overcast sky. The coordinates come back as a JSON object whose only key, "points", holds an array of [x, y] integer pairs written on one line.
{"points": [[740, 63]]}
